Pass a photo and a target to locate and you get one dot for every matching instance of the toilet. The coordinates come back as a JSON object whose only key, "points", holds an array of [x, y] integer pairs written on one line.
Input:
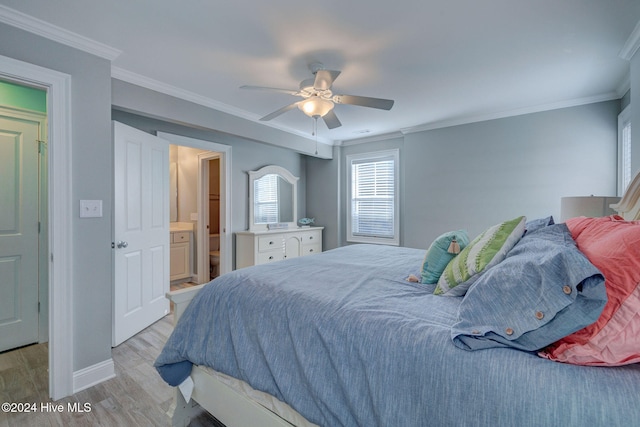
{"points": [[214, 255]]}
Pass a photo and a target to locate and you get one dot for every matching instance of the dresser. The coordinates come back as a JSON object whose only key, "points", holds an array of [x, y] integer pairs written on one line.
{"points": [[260, 247]]}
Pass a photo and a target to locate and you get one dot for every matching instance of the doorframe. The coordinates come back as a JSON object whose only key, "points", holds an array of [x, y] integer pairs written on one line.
{"points": [[222, 151], [58, 87]]}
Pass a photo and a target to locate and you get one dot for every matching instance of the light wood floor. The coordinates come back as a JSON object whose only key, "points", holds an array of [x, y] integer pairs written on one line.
{"points": [[137, 396]]}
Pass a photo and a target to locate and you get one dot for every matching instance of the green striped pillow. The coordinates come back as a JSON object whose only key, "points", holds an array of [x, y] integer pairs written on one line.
{"points": [[485, 251]]}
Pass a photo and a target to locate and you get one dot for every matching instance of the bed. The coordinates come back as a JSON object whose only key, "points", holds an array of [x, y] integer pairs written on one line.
{"points": [[353, 337]]}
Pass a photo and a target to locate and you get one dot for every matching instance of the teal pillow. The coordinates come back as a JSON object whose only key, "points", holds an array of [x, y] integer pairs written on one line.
{"points": [[440, 253], [485, 251]]}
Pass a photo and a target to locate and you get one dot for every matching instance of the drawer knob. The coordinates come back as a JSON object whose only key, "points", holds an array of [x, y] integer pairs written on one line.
{"points": [[310, 250], [271, 242], [271, 257], [310, 237]]}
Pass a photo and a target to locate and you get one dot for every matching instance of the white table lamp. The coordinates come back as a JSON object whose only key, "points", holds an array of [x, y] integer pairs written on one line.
{"points": [[589, 206]]}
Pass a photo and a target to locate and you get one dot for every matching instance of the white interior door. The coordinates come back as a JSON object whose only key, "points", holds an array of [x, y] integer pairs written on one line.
{"points": [[18, 232], [141, 231]]}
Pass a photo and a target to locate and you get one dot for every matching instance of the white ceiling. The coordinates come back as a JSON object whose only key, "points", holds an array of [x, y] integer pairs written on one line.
{"points": [[443, 61]]}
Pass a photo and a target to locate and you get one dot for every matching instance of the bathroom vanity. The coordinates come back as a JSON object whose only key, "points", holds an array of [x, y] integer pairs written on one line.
{"points": [[181, 242]]}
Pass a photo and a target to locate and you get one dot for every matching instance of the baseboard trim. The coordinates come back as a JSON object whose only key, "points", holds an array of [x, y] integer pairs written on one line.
{"points": [[92, 375]]}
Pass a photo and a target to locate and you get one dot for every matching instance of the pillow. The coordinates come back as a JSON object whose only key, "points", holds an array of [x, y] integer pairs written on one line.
{"points": [[613, 245], [441, 251], [485, 251], [544, 290]]}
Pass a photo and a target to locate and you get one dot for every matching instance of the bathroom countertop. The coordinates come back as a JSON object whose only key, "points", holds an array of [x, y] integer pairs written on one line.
{"points": [[180, 226]]}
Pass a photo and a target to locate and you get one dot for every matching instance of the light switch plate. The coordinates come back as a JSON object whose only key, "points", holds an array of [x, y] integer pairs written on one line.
{"points": [[90, 208]]}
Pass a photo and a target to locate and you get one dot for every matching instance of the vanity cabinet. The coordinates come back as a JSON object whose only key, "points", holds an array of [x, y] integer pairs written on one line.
{"points": [[180, 255], [260, 247]]}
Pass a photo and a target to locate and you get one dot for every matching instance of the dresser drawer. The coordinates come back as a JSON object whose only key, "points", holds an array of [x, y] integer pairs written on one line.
{"points": [[269, 243], [311, 237], [315, 248], [180, 236], [264, 257]]}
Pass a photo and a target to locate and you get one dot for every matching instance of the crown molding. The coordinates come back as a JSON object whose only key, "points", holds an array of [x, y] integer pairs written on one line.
{"points": [[624, 86], [511, 113], [372, 138], [158, 86], [36, 26], [632, 44]]}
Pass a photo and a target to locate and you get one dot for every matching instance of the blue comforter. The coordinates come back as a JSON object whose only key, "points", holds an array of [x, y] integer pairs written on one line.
{"points": [[346, 340]]}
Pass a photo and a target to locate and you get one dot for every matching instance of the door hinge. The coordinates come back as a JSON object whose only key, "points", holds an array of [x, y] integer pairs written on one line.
{"points": [[39, 227], [38, 306], [42, 145]]}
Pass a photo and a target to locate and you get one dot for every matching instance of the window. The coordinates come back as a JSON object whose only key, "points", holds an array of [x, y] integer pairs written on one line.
{"points": [[624, 150], [373, 198]]}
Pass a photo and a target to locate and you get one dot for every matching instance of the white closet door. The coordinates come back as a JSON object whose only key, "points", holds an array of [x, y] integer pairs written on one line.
{"points": [[18, 232]]}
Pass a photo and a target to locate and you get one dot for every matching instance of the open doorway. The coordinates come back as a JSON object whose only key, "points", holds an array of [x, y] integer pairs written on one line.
{"points": [[24, 283], [203, 200], [59, 284]]}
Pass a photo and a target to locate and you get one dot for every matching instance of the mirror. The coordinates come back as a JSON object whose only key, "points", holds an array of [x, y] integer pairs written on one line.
{"points": [[273, 194]]}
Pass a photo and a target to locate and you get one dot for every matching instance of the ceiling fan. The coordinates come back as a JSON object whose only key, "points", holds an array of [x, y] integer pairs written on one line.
{"points": [[318, 99]]}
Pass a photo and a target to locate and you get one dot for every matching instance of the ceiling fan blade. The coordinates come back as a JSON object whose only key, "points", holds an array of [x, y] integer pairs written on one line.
{"points": [[324, 79], [331, 120], [278, 112], [271, 89], [364, 101]]}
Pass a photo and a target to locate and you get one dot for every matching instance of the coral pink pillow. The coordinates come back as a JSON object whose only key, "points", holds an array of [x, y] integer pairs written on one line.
{"points": [[613, 246]]}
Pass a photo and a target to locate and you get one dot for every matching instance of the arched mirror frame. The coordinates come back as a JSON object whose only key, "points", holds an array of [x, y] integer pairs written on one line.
{"points": [[288, 177]]}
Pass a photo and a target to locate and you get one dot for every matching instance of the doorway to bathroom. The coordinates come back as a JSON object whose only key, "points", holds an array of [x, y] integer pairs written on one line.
{"points": [[200, 191]]}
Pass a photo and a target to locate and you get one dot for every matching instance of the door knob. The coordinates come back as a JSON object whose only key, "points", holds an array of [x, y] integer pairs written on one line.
{"points": [[122, 244]]}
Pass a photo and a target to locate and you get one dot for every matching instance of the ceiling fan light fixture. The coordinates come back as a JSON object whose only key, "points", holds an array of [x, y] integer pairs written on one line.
{"points": [[315, 106], [318, 99]]}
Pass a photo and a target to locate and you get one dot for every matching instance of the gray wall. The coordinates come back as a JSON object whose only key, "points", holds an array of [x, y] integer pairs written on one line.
{"points": [[479, 174], [476, 175], [323, 196], [92, 179]]}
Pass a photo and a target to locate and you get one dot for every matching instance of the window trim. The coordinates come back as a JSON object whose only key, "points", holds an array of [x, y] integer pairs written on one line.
{"points": [[624, 120], [394, 154]]}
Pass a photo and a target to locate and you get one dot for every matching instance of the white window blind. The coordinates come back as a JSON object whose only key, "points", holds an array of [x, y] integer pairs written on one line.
{"points": [[266, 199], [373, 198]]}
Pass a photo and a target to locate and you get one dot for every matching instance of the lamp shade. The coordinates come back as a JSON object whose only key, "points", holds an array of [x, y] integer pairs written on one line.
{"points": [[589, 206], [316, 106]]}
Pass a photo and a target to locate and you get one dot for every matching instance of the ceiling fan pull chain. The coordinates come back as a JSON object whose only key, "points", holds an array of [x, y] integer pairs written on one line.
{"points": [[315, 131]]}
